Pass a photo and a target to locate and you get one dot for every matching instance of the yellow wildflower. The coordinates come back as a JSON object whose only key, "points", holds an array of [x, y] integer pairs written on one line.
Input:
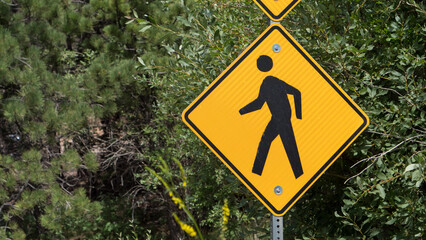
{"points": [[177, 200], [185, 227], [188, 229], [226, 212]]}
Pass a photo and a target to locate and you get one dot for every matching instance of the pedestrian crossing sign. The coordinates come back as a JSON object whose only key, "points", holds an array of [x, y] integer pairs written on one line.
{"points": [[276, 9], [276, 119]]}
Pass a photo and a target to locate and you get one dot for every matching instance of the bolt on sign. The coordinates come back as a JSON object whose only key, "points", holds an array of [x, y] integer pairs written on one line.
{"points": [[276, 9], [276, 119]]}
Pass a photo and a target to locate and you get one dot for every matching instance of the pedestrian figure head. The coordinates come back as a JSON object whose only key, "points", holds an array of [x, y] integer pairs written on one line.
{"points": [[264, 63]]}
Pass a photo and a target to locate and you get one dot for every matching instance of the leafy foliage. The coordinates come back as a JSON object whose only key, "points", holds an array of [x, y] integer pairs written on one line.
{"points": [[375, 51], [91, 94]]}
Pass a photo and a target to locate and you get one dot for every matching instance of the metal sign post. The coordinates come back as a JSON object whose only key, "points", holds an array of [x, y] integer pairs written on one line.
{"points": [[272, 22], [277, 229], [277, 225]]}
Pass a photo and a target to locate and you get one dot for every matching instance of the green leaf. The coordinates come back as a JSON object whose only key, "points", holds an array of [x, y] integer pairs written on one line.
{"points": [[144, 29], [391, 222], [141, 61], [411, 167], [374, 232], [381, 191]]}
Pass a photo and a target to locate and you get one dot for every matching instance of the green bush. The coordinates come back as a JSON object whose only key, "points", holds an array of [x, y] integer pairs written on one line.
{"points": [[374, 50]]}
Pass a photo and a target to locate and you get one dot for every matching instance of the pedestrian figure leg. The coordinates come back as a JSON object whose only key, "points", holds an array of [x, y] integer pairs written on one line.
{"points": [[270, 133], [289, 142]]}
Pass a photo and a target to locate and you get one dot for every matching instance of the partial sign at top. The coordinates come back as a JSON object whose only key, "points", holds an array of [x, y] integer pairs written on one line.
{"points": [[276, 9]]}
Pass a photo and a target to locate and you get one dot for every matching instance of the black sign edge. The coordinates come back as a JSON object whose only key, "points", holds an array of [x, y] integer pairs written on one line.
{"points": [[316, 175]]}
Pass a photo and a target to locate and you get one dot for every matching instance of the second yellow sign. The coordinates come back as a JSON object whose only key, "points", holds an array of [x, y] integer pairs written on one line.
{"points": [[276, 9]]}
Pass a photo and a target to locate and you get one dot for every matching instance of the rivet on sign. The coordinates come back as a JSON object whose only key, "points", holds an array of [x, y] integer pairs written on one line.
{"points": [[278, 190], [276, 48]]}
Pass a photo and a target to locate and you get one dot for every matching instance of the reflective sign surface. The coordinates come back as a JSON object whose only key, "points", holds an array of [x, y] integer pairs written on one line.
{"points": [[276, 119]]}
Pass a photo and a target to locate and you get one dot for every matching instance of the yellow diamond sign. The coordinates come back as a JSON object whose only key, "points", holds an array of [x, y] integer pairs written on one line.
{"points": [[276, 119], [276, 9]]}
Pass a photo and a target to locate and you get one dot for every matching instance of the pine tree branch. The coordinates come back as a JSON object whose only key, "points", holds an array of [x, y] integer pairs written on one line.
{"points": [[21, 60], [15, 198]]}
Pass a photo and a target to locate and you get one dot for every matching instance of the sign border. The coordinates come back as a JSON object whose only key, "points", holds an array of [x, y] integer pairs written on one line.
{"points": [[214, 84], [280, 16]]}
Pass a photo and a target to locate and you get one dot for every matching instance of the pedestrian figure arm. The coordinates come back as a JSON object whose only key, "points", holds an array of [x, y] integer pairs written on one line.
{"points": [[297, 100], [253, 106]]}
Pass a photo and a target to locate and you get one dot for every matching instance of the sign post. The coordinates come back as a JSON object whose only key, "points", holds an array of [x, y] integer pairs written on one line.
{"points": [[276, 119], [277, 223], [277, 228]]}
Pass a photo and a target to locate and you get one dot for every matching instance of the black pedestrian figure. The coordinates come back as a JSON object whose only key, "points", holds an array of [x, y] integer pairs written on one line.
{"points": [[274, 92]]}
